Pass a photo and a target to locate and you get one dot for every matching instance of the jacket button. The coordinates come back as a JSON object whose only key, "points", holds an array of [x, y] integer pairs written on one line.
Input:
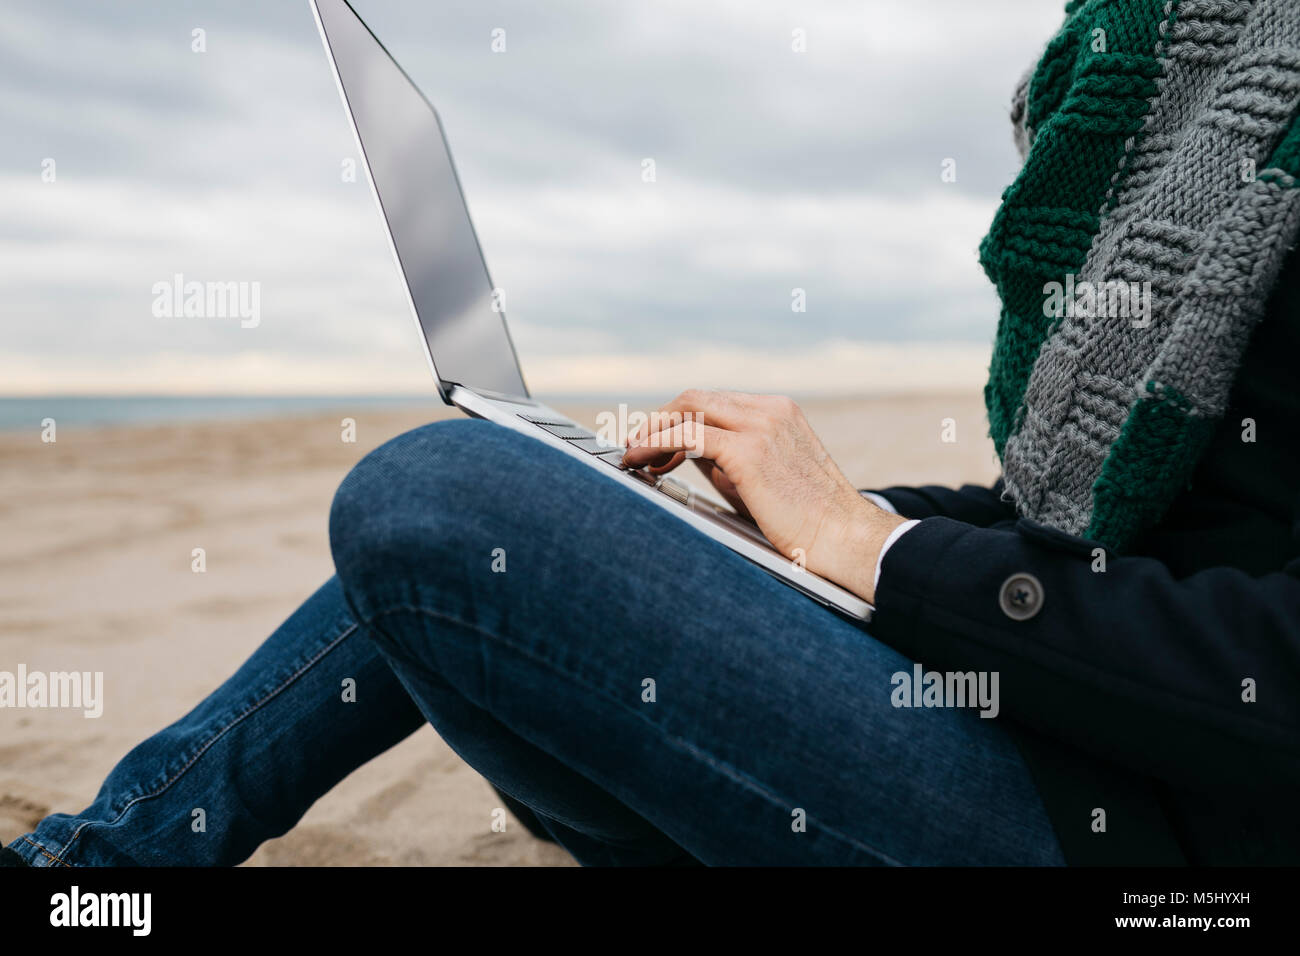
{"points": [[1021, 596]]}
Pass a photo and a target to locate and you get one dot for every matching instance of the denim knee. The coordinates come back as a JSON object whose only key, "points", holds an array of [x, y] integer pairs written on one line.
{"points": [[406, 511]]}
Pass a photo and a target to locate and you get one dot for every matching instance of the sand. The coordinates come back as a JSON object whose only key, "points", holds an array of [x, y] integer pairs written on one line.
{"points": [[96, 534]]}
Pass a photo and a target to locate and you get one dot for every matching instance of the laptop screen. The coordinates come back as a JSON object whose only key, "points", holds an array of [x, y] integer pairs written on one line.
{"points": [[425, 211]]}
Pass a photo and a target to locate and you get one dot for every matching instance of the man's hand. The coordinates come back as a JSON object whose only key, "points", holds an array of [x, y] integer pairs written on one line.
{"points": [[761, 454]]}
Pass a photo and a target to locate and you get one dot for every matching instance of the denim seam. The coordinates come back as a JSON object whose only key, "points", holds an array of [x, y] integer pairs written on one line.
{"points": [[257, 705], [45, 852], [685, 746]]}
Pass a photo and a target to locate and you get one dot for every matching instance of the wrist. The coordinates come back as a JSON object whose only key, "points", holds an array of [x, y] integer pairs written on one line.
{"points": [[855, 548]]}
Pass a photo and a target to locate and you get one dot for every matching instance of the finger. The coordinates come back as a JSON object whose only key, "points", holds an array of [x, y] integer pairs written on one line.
{"points": [[657, 421], [667, 466], [736, 411], [691, 438]]}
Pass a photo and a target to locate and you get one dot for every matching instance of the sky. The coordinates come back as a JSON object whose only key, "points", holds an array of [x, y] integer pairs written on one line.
{"points": [[774, 170]]}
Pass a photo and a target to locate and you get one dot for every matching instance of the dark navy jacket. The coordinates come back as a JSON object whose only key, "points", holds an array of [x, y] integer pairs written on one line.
{"points": [[1124, 688]]}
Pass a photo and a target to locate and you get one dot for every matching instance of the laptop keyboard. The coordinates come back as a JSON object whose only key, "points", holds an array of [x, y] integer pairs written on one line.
{"points": [[579, 438]]}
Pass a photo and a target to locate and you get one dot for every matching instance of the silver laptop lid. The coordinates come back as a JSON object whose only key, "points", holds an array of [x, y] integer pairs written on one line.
{"points": [[410, 169]]}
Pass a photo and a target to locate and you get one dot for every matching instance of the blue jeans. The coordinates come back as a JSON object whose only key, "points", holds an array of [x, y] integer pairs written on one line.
{"points": [[652, 697]]}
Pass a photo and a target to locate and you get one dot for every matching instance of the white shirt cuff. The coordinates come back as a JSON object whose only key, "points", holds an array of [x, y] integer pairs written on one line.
{"points": [[889, 542], [884, 504], [880, 501]]}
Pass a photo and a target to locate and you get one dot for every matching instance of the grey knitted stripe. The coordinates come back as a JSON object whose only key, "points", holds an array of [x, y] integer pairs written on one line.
{"points": [[1225, 293], [1045, 454], [1231, 82], [1024, 136]]}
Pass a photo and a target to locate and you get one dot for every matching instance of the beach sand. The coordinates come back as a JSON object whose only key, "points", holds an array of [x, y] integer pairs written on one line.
{"points": [[96, 534]]}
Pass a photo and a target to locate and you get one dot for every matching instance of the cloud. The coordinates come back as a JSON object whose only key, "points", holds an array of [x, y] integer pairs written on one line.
{"points": [[828, 367], [775, 171]]}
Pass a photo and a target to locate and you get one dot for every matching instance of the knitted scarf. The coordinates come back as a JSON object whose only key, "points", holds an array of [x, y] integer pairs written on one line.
{"points": [[1135, 250]]}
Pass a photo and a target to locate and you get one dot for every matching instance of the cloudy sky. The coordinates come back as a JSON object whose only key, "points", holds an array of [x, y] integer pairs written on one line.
{"points": [[775, 169]]}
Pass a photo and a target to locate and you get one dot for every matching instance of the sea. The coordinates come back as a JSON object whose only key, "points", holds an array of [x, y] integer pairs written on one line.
{"points": [[20, 412], [17, 413]]}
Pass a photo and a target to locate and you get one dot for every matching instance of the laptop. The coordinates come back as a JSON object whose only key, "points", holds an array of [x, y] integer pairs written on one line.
{"points": [[451, 296]]}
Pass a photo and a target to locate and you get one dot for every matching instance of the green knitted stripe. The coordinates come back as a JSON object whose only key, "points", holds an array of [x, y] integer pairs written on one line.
{"points": [[1286, 157], [1162, 439], [1083, 105], [1131, 493]]}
